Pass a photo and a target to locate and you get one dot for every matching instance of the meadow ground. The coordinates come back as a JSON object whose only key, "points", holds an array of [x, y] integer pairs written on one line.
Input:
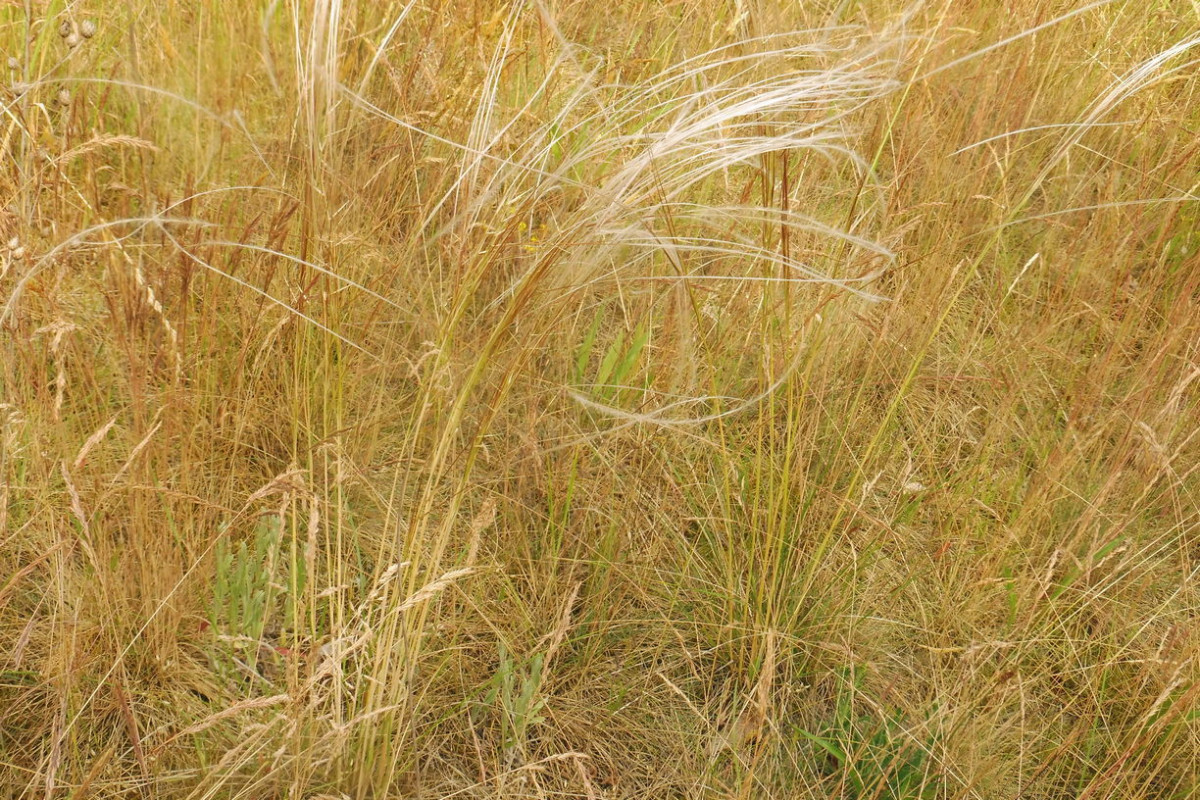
{"points": [[694, 399]]}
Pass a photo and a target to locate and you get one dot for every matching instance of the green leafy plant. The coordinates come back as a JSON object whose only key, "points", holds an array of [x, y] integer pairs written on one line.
{"points": [[871, 754], [620, 361], [250, 587], [515, 696]]}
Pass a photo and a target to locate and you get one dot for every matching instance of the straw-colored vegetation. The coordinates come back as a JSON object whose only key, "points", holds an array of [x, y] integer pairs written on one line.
{"points": [[697, 399]]}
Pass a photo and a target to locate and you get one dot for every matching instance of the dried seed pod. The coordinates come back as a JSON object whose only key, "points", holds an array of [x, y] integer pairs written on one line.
{"points": [[88, 28], [73, 40], [65, 28], [64, 97], [13, 63], [14, 243]]}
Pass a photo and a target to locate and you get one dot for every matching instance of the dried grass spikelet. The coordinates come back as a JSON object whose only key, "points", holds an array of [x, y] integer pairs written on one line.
{"points": [[334, 653], [377, 590], [58, 331], [99, 143], [91, 442], [557, 636], [433, 588], [14, 252], [81, 516], [232, 711], [138, 448], [152, 302], [483, 520], [11, 448]]}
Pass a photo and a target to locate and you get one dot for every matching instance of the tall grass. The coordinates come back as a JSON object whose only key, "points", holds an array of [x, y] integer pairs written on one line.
{"points": [[699, 399]]}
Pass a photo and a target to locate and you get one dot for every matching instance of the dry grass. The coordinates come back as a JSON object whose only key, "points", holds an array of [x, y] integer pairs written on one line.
{"points": [[694, 399]]}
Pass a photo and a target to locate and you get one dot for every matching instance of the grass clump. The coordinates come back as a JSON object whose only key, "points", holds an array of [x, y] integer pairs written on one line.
{"points": [[698, 399]]}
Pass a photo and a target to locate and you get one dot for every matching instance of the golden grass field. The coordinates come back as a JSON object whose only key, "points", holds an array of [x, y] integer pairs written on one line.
{"points": [[544, 398]]}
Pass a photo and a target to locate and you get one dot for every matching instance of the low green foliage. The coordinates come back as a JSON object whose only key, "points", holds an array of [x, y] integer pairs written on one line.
{"points": [[868, 752], [253, 598], [515, 699]]}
